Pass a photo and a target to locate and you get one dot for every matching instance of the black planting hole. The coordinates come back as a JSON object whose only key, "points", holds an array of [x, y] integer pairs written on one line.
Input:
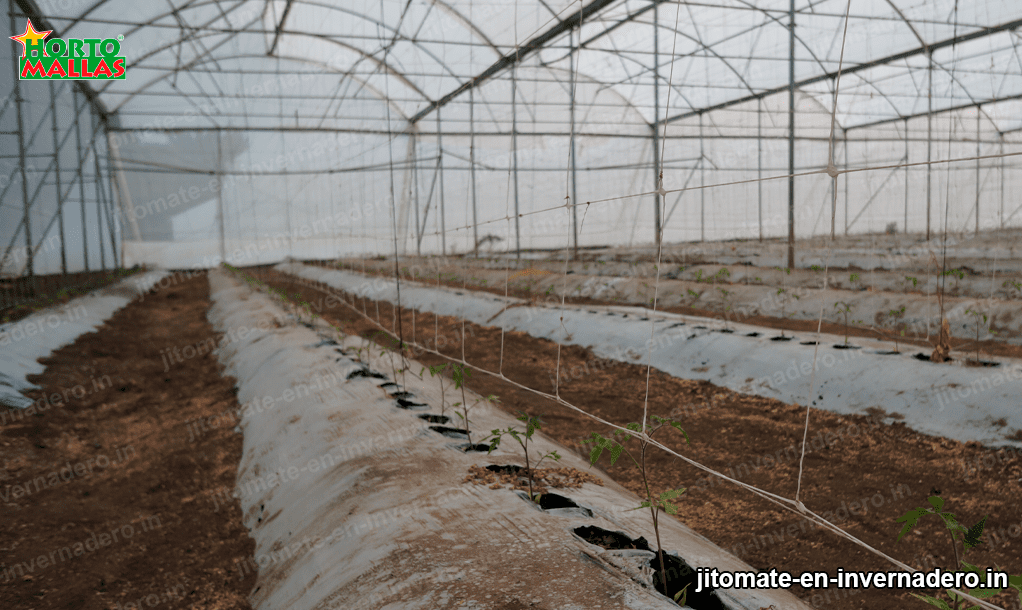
{"points": [[699, 327], [892, 353], [923, 357], [326, 342], [505, 468], [725, 330], [412, 406], [675, 325], [680, 574], [402, 395], [458, 433], [610, 540], [365, 373], [809, 343], [388, 384], [752, 335], [781, 338], [988, 363], [477, 447], [550, 501], [435, 419], [845, 346]]}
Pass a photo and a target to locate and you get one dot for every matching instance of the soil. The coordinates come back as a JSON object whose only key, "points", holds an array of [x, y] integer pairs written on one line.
{"points": [[860, 472], [54, 290], [169, 489]]}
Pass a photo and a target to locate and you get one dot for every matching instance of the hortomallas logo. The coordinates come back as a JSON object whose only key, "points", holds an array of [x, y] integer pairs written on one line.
{"points": [[71, 59]]}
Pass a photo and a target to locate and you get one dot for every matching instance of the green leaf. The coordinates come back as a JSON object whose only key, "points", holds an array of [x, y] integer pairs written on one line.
{"points": [[677, 425], [936, 501], [683, 594], [910, 519], [974, 534], [615, 453]]}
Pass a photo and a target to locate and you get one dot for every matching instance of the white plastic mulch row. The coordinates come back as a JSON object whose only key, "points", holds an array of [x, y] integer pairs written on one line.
{"points": [[355, 503], [25, 341], [963, 403]]}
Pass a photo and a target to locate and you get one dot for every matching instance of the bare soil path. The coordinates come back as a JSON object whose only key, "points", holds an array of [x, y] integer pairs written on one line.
{"points": [[109, 499]]}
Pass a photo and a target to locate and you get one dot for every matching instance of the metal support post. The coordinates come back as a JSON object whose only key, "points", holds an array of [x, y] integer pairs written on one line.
{"points": [[472, 167], [81, 180], [791, 136], [60, 194], [759, 160], [30, 266], [440, 163], [657, 170], [514, 157]]}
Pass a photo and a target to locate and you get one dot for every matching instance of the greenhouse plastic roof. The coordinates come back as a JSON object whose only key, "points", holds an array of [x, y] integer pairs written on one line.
{"points": [[260, 65]]}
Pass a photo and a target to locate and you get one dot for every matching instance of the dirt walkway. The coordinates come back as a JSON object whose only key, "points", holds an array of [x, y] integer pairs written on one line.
{"points": [[109, 500], [861, 473]]}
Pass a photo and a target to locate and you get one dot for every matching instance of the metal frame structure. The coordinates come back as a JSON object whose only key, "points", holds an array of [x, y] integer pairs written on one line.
{"points": [[206, 40]]}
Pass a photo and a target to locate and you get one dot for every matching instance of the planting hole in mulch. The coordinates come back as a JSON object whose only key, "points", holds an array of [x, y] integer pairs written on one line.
{"points": [[680, 574], [781, 338], [752, 335], [923, 357], [365, 373], [476, 447], [388, 384], [411, 406], [889, 353], [435, 419], [552, 501], [725, 330], [458, 433], [846, 346], [325, 342], [675, 325], [612, 541], [989, 363], [699, 327], [402, 395], [509, 469], [810, 343]]}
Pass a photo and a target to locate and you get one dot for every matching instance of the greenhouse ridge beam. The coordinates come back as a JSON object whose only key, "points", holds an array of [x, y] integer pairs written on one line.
{"points": [[510, 59], [1011, 25], [977, 104]]}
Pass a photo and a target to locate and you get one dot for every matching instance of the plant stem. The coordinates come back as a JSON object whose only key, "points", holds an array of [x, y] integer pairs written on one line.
{"points": [[528, 468], [653, 509]]}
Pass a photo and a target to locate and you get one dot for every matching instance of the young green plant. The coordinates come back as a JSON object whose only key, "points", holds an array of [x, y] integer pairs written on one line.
{"points": [[897, 315], [522, 438], [460, 373], [979, 320], [437, 370], [615, 444], [725, 295], [845, 308], [959, 535]]}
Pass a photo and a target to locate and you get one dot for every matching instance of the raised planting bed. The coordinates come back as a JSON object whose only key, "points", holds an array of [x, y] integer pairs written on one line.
{"points": [[401, 500], [850, 380]]}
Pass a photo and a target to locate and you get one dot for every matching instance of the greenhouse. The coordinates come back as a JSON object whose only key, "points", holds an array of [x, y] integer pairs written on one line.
{"points": [[410, 303]]}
